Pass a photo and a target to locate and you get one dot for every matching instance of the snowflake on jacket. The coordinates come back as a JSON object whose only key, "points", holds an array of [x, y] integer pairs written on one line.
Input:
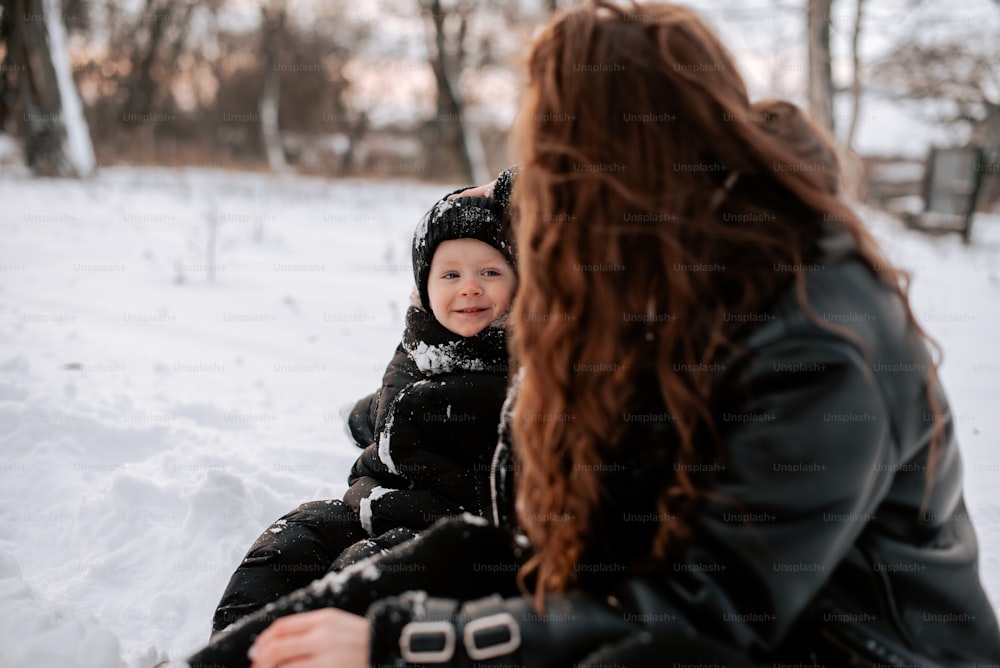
{"points": [[429, 433]]}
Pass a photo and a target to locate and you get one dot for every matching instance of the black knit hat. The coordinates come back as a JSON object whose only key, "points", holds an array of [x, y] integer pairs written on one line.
{"points": [[459, 218]]}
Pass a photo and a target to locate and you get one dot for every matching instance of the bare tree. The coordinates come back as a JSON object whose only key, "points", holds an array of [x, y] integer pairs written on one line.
{"points": [[37, 79], [447, 51], [143, 86], [855, 90], [952, 81], [151, 40], [820, 81], [959, 74], [272, 30], [852, 172], [139, 97]]}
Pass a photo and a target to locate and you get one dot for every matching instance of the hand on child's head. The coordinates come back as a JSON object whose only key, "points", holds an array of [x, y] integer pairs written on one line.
{"points": [[470, 285], [479, 191]]}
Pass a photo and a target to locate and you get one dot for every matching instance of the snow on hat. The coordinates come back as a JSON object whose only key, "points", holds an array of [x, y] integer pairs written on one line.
{"points": [[459, 218]]}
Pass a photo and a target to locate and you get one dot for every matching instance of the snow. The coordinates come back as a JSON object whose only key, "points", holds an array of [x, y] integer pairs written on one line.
{"points": [[384, 444], [365, 512], [434, 358], [475, 520], [335, 581], [445, 357], [420, 233], [11, 155], [899, 171], [370, 572], [79, 149], [153, 423]]}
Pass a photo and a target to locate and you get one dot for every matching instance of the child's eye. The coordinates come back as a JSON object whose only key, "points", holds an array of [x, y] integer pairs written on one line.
{"points": [[491, 272], [451, 274]]}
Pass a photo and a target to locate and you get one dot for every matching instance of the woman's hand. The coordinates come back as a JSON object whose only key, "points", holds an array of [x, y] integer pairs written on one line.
{"points": [[479, 191], [327, 638]]}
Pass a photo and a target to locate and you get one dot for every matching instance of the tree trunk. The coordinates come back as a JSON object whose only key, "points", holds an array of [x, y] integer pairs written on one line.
{"points": [[355, 131], [142, 86], [56, 137], [475, 153], [855, 75], [854, 184], [211, 242], [454, 127], [10, 67], [820, 81], [270, 96]]}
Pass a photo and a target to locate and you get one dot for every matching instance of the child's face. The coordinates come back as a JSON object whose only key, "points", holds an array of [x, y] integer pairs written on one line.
{"points": [[470, 285]]}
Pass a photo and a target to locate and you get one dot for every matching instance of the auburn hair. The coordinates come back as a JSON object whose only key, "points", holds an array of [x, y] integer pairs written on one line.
{"points": [[641, 161]]}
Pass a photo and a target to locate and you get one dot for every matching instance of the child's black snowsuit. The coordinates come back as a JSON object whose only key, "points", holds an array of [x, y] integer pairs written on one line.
{"points": [[428, 436]]}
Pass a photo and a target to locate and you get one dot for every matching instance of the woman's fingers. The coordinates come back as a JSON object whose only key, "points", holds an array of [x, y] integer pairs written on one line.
{"points": [[281, 651], [485, 190], [318, 638], [300, 622]]}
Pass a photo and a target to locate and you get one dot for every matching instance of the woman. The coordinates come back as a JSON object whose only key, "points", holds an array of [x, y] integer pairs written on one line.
{"points": [[729, 440]]}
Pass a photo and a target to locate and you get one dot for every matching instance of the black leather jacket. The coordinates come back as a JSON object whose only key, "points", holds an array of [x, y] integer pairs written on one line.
{"points": [[829, 556]]}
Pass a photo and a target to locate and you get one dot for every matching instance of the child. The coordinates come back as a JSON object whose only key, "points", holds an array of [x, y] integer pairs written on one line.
{"points": [[428, 433]]}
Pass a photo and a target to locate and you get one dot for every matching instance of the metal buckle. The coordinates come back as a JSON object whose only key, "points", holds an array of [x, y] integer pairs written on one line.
{"points": [[504, 619], [434, 656]]}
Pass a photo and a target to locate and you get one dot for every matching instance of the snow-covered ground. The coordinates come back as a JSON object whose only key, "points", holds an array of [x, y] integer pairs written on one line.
{"points": [[153, 422]]}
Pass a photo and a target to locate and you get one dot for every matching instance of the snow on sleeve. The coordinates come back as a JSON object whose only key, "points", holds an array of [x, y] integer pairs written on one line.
{"points": [[384, 440], [334, 581], [365, 511], [370, 572], [476, 520]]}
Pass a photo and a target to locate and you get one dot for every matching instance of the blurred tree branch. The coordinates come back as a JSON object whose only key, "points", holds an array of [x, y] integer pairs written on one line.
{"points": [[447, 52], [953, 79], [949, 71], [273, 19], [855, 90], [820, 80]]}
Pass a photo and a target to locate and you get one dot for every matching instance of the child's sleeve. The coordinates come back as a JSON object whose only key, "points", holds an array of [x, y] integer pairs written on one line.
{"points": [[383, 508], [431, 459], [361, 421]]}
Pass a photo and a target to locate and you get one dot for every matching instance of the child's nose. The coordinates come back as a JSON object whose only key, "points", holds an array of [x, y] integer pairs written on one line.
{"points": [[471, 287]]}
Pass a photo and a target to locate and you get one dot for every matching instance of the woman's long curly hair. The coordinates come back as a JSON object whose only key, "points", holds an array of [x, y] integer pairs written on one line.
{"points": [[653, 203]]}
